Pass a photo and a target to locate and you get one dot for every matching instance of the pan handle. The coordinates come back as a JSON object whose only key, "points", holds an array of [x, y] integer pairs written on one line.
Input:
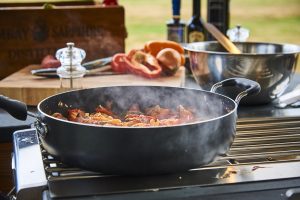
{"points": [[249, 87], [18, 110], [15, 108]]}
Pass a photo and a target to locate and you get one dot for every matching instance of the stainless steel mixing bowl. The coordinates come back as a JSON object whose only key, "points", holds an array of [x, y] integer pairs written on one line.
{"points": [[271, 65]]}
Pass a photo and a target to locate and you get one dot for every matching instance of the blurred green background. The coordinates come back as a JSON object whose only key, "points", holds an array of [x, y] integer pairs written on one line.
{"points": [[268, 20]]}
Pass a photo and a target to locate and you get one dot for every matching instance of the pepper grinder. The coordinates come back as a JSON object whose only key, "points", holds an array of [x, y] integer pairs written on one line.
{"points": [[71, 71], [238, 34]]}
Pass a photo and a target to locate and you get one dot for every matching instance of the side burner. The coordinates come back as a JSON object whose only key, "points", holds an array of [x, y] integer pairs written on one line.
{"points": [[29, 174]]}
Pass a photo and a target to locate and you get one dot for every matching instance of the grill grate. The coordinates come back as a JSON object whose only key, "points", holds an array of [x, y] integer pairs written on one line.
{"points": [[258, 141], [266, 140]]}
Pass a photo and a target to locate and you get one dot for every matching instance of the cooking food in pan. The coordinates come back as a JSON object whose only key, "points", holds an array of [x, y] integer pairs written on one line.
{"points": [[134, 117], [138, 150]]}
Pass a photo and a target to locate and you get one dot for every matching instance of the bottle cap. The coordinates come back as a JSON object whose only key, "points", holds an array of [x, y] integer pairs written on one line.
{"points": [[176, 7]]}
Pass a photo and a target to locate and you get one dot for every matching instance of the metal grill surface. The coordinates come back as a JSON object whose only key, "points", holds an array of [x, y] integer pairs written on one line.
{"points": [[257, 141]]}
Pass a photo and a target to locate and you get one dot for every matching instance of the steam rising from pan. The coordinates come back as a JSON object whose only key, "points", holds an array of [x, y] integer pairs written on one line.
{"points": [[205, 105]]}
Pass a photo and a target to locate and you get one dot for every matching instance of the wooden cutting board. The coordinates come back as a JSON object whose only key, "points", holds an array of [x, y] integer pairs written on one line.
{"points": [[32, 89]]}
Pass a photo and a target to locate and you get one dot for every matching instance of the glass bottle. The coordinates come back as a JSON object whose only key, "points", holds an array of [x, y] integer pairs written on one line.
{"points": [[218, 15], [176, 27], [195, 28]]}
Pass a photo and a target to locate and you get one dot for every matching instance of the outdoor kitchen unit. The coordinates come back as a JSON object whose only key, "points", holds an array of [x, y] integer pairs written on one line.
{"points": [[262, 163], [159, 118]]}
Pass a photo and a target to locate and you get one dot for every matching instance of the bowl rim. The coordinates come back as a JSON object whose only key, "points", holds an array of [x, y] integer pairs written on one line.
{"points": [[187, 47]]}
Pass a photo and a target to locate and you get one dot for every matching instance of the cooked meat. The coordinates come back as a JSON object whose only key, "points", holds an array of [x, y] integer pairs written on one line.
{"points": [[134, 117]]}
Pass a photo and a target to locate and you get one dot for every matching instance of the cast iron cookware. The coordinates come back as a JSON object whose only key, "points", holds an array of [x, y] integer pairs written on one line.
{"points": [[139, 150]]}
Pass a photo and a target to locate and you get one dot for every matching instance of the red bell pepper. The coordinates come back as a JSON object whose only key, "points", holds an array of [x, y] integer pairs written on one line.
{"points": [[118, 63], [50, 62], [137, 62], [144, 64]]}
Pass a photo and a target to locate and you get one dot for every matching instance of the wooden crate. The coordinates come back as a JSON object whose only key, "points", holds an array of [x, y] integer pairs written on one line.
{"points": [[7, 3], [27, 34]]}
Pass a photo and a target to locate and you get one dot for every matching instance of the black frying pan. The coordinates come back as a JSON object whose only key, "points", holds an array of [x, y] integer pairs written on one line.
{"points": [[146, 150]]}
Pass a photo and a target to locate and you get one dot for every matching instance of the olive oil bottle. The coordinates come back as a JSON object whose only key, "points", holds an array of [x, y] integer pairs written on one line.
{"points": [[195, 28]]}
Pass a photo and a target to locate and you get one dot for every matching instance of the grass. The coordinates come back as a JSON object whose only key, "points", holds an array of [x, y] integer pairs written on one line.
{"points": [[276, 21]]}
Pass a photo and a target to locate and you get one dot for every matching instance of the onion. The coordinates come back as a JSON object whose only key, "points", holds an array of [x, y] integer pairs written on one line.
{"points": [[169, 59]]}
